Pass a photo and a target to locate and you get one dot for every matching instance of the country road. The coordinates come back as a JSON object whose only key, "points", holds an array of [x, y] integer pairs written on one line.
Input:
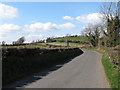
{"points": [[84, 71]]}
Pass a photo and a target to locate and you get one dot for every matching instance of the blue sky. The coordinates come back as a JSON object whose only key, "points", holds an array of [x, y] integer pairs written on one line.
{"points": [[39, 20]]}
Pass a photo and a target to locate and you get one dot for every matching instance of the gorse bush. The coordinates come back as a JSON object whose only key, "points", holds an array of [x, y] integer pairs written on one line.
{"points": [[17, 63]]}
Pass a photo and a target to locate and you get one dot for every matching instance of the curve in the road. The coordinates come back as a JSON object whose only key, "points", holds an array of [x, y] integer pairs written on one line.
{"points": [[84, 71]]}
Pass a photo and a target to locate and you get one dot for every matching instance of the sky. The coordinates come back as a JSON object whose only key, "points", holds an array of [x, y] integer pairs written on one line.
{"points": [[39, 20]]}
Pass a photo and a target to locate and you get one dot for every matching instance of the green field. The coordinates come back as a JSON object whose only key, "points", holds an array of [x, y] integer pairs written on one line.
{"points": [[65, 44], [80, 38], [46, 45], [25, 46]]}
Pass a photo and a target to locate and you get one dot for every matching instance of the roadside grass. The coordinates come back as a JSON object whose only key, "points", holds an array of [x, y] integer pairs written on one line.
{"points": [[111, 72], [110, 69]]}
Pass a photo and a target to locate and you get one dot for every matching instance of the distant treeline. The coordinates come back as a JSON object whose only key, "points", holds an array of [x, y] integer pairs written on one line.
{"points": [[17, 44]]}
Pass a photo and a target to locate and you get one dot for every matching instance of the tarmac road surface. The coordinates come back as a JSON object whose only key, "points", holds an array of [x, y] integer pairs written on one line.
{"points": [[84, 71]]}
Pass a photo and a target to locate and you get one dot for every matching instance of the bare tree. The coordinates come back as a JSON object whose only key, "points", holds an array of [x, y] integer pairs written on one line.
{"points": [[93, 33], [111, 21], [109, 10]]}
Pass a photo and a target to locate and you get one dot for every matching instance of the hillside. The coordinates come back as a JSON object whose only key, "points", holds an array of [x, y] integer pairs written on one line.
{"points": [[73, 38]]}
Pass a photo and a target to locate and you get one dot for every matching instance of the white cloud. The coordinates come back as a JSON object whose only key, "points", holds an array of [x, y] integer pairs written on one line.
{"points": [[8, 28], [67, 25], [9, 32], [40, 27], [55, 36], [90, 18], [68, 18], [75, 34], [31, 37], [8, 12], [37, 27]]}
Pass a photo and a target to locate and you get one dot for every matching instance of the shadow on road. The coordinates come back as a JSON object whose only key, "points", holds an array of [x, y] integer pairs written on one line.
{"points": [[37, 76]]}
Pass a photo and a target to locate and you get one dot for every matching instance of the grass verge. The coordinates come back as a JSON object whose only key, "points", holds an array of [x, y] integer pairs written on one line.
{"points": [[111, 72]]}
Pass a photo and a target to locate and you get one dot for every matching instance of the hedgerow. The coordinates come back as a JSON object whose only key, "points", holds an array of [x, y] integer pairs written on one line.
{"points": [[17, 63]]}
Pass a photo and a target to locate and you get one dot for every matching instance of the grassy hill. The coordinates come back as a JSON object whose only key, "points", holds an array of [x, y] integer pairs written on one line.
{"points": [[57, 41], [75, 41], [70, 38]]}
